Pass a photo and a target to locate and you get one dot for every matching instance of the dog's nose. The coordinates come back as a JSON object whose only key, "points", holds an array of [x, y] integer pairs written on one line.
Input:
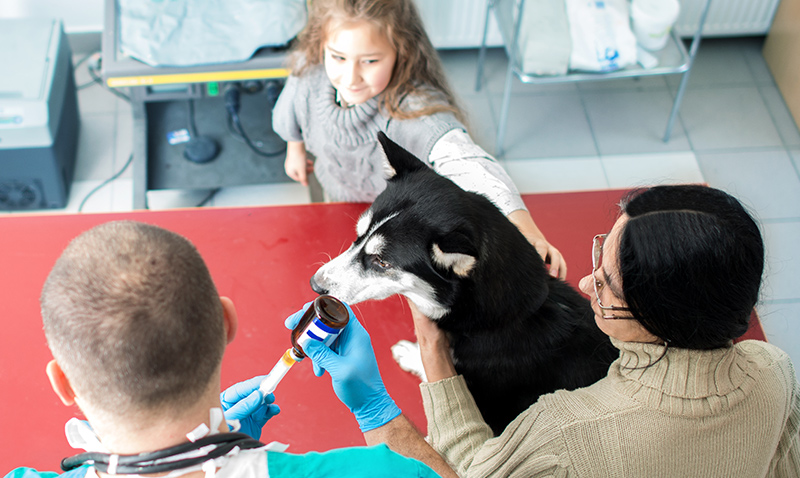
{"points": [[316, 287]]}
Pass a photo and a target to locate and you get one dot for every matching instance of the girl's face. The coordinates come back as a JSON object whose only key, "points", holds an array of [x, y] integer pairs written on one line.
{"points": [[359, 61]]}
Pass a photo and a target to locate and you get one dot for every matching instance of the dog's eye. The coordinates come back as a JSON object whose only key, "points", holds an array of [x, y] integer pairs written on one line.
{"points": [[379, 263]]}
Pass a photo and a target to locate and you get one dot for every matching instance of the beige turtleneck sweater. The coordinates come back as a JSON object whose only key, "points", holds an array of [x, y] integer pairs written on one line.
{"points": [[731, 412]]}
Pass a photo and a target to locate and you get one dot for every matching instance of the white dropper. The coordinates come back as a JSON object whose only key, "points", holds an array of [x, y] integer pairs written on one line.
{"points": [[271, 381]]}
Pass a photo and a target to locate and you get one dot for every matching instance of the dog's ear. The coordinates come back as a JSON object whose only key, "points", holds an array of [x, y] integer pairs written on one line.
{"points": [[401, 162], [456, 251]]}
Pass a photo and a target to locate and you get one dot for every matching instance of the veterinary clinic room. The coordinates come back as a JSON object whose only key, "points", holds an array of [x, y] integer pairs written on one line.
{"points": [[389, 238]]}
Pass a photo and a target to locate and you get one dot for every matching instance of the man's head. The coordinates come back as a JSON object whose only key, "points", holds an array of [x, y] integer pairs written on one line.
{"points": [[133, 320]]}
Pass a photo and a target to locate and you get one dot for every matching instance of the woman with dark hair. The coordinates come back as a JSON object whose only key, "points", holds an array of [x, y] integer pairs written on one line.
{"points": [[673, 285]]}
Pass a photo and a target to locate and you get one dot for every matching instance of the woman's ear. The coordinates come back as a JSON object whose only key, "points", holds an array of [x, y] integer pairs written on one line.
{"points": [[60, 383], [230, 317]]}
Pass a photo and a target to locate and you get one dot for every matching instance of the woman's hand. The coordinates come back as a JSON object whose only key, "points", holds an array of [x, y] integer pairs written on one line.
{"points": [[354, 372], [550, 255], [434, 347], [297, 165]]}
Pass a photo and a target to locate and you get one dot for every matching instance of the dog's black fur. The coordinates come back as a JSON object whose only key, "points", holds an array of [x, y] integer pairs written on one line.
{"points": [[516, 332]]}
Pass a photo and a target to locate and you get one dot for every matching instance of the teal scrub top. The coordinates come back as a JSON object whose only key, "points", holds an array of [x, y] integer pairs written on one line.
{"points": [[354, 462]]}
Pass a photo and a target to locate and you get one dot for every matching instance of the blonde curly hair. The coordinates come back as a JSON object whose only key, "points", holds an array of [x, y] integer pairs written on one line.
{"points": [[417, 69]]}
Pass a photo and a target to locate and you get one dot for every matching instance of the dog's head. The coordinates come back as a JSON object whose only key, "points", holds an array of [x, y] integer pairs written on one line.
{"points": [[422, 238]]}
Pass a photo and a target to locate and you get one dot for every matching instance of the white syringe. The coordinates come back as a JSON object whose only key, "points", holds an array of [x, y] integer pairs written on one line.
{"points": [[271, 381], [323, 321]]}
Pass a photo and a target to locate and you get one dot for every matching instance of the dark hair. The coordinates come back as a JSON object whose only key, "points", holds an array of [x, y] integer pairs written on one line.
{"points": [[133, 318], [691, 260], [417, 69]]}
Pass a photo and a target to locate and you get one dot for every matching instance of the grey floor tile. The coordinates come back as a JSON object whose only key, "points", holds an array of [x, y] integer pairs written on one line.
{"points": [[122, 191], [752, 49], [795, 154], [634, 170], [459, 66], [781, 323], [97, 100], [552, 175], [766, 180], [784, 122], [782, 261], [719, 62], [732, 117], [633, 122], [84, 193], [641, 83], [95, 155], [481, 121], [96, 195], [546, 127]]}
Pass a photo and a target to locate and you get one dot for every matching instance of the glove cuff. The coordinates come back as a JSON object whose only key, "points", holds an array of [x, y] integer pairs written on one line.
{"points": [[378, 415]]}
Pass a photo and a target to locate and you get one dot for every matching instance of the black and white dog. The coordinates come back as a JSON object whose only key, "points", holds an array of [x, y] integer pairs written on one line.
{"points": [[516, 332]]}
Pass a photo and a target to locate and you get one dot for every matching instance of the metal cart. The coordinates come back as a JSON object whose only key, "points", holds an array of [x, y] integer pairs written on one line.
{"points": [[510, 12]]}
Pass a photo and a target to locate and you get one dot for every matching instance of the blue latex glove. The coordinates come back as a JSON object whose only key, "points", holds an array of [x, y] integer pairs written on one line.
{"points": [[244, 402], [354, 372]]}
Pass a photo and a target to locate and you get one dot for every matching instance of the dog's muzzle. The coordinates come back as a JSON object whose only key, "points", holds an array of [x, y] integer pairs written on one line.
{"points": [[316, 287]]}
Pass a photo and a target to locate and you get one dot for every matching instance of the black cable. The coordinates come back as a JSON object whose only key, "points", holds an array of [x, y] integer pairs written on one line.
{"points": [[145, 462], [235, 134], [208, 198], [106, 182], [192, 122], [78, 64], [232, 104], [99, 81], [238, 124]]}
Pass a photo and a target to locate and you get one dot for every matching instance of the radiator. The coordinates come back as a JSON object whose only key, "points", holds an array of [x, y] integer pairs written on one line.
{"points": [[727, 17], [459, 23]]}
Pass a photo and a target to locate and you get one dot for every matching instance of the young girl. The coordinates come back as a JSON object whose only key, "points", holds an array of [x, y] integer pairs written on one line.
{"points": [[363, 66]]}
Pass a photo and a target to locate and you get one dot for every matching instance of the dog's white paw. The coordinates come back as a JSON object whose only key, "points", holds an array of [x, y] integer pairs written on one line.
{"points": [[407, 355]]}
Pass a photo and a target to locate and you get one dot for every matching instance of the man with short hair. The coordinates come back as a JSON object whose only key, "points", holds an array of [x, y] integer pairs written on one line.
{"points": [[138, 330]]}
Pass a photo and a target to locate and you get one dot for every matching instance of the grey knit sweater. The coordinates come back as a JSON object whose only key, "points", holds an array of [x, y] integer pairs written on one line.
{"points": [[350, 164], [731, 412]]}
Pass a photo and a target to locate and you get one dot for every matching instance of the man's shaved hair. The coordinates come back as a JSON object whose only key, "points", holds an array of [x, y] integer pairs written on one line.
{"points": [[133, 318]]}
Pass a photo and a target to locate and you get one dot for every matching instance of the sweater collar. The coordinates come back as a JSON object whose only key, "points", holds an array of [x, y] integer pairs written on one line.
{"points": [[345, 125], [684, 380]]}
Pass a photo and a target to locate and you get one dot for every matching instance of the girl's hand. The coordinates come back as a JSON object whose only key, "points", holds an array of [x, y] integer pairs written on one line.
{"points": [[297, 165], [550, 255]]}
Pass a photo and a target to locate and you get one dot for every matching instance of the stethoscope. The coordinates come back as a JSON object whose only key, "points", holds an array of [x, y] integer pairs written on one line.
{"points": [[164, 460]]}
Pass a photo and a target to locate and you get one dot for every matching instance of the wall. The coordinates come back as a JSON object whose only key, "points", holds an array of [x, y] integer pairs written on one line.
{"points": [[782, 53], [79, 16]]}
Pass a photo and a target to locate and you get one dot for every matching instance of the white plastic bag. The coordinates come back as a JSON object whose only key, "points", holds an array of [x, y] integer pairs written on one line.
{"points": [[544, 45], [190, 32], [602, 39]]}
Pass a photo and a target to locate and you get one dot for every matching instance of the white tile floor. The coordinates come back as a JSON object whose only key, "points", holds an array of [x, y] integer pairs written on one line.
{"points": [[734, 132]]}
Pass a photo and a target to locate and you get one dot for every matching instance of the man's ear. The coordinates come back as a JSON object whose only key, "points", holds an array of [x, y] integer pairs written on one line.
{"points": [[230, 317], [60, 383]]}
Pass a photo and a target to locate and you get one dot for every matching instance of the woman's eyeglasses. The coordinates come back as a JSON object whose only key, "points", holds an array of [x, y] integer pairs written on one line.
{"points": [[597, 262]]}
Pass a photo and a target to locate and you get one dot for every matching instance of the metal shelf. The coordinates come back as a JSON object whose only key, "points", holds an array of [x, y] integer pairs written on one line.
{"points": [[673, 59]]}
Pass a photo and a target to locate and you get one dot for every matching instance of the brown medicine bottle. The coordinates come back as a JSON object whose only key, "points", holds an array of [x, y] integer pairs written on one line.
{"points": [[324, 320]]}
